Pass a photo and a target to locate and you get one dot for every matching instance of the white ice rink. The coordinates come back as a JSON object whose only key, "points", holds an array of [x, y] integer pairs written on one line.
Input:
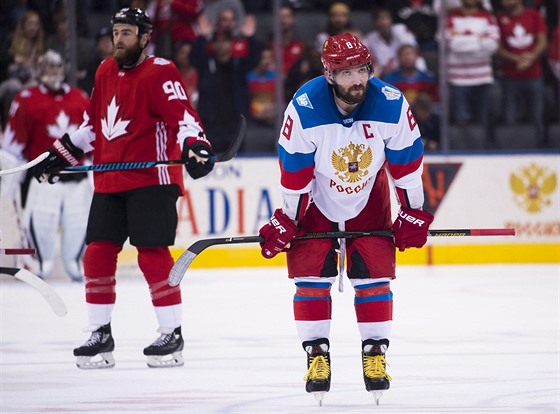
{"points": [[470, 339]]}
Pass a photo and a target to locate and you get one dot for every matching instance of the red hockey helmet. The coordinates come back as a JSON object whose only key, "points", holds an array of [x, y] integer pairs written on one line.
{"points": [[343, 51]]}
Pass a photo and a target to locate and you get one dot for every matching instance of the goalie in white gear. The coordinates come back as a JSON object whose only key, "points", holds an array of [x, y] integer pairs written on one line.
{"points": [[38, 116]]}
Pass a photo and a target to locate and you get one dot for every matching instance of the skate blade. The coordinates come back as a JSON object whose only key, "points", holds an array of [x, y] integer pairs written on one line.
{"points": [[101, 361], [377, 396], [319, 395], [165, 361]]}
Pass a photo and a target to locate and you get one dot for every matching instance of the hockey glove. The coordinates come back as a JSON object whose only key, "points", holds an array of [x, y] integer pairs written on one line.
{"points": [[61, 154], [410, 229], [277, 233], [199, 157]]}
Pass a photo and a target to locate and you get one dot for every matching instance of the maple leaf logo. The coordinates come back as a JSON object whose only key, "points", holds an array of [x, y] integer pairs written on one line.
{"points": [[521, 39], [61, 126], [111, 127]]}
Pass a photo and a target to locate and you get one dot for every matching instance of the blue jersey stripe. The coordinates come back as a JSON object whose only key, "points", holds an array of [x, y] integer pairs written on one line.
{"points": [[405, 155], [295, 162]]}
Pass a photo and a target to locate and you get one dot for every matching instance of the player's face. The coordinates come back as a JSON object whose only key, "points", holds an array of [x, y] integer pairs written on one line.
{"points": [[127, 48], [351, 83]]}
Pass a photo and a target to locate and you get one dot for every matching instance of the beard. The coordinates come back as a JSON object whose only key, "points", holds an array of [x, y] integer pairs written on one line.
{"points": [[128, 56], [350, 96]]}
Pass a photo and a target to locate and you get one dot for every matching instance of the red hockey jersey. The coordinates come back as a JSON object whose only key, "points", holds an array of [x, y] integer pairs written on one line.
{"points": [[37, 118], [140, 114]]}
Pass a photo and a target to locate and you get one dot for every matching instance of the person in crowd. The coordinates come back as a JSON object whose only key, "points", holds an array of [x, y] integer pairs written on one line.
{"points": [[455, 4], [307, 67], [59, 42], [188, 72], [472, 37], [139, 111], [420, 18], [523, 41], [232, 21], [408, 79], [39, 115], [174, 21], [262, 89], [103, 50], [428, 121], [338, 22], [19, 61], [339, 133], [386, 39], [292, 44], [223, 62]]}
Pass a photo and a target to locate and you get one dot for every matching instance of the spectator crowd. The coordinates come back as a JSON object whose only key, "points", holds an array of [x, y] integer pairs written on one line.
{"points": [[501, 58]]}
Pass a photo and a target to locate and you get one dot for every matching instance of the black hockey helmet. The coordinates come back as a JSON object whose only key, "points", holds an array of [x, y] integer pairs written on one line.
{"points": [[135, 17]]}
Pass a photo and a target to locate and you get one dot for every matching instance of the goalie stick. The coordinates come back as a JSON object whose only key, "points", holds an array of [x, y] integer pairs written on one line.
{"points": [[50, 295], [227, 155], [184, 261]]}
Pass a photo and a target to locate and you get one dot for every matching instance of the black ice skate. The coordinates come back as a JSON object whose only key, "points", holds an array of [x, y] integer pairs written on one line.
{"points": [[166, 350], [100, 345], [376, 378], [318, 376]]}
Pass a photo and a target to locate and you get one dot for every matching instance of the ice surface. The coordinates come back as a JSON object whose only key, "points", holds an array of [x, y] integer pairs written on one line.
{"points": [[470, 339]]}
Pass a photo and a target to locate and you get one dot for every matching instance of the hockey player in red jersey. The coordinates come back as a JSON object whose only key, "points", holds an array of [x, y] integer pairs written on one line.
{"points": [[139, 111], [38, 116], [341, 132]]}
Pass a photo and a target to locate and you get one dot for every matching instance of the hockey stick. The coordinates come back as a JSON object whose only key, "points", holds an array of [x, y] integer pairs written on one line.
{"points": [[184, 261], [119, 166], [229, 153], [17, 251], [54, 300], [25, 166]]}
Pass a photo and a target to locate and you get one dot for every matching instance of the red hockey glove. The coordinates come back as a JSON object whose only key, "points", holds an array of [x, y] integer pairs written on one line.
{"points": [[198, 154], [410, 229], [61, 154], [277, 233]]}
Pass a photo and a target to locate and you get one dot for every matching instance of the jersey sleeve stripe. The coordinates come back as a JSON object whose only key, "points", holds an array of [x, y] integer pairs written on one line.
{"points": [[407, 154], [296, 161], [402, 170], [298, 180]]}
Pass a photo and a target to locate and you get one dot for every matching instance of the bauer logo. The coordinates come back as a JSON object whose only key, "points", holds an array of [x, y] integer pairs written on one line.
{"points": [[532, 187], [436, 179], [303, 100]]}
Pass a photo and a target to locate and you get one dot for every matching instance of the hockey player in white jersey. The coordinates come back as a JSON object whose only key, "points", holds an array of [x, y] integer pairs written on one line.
{"points": [[343, 134]]}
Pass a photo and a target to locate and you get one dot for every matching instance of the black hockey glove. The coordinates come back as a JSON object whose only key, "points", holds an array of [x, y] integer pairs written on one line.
{"points": [[199, 157], [61, 154]]}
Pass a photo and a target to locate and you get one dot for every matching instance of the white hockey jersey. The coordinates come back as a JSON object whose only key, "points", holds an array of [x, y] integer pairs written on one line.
{"points": [[336, 158]]}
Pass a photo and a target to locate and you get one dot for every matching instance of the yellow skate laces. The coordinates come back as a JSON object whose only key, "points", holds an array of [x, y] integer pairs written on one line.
{"points": [[319, 369], [374, 367]]}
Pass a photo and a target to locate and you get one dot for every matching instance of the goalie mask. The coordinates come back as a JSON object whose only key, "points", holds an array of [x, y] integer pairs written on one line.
{"points": [[50, 68]]}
